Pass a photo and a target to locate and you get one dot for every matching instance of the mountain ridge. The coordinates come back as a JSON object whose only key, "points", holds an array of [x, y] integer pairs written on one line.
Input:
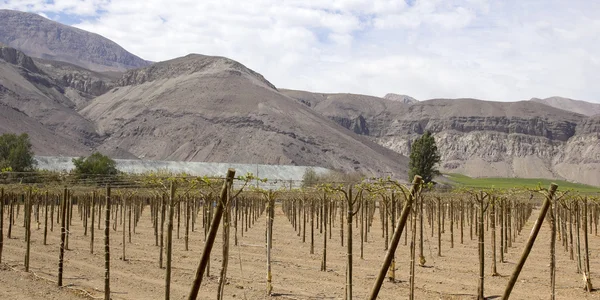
{"points": [[578, 106], [39, 37], [215, 109]]}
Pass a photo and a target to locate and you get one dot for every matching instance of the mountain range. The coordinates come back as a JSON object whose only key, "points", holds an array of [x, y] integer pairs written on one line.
{"points": [[75, 92]]}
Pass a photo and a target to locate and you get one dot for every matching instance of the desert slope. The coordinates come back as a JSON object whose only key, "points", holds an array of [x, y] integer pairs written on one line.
{"points": [[47, 39], [31, 102], [577, 106], [475, 137], [213, 109]]}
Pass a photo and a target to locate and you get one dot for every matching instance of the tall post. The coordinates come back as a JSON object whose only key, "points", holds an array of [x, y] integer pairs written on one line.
{"points": [[586, 269], [92, 211], [416, 187], [269, 239], [1, 222], [63, 236], [530, 241], [28, 206], [45, 217], [350, 207], [210, 239], [169, 241], [107, 246]]}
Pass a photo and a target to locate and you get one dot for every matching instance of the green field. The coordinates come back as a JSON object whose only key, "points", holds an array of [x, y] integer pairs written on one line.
{"points": [[509, 183]]}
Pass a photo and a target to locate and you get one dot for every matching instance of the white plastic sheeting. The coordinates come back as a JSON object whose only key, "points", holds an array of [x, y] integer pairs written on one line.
{"points": [[277, 175]]}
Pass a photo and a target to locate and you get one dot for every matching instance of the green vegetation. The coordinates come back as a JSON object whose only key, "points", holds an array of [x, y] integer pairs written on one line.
{"points": [[96, 164], [310, 178], [15, 153], [424, 157], [509, 183]]}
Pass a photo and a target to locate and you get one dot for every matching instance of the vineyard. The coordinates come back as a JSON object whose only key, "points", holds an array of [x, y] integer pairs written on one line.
{"points": [[181, 237]]}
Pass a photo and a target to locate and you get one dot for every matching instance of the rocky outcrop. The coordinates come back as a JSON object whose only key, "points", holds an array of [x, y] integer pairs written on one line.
{"points": [[86, 84], [358, 125], [79, 84], [534, 126], [590, 125], [18, 58], [43, 38]]}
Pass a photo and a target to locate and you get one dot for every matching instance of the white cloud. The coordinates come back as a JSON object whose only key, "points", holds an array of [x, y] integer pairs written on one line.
{"points": [[497, 50]]}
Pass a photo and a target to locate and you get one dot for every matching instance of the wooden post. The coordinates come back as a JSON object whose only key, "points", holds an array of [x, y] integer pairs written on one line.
{"points": [[530, 241], [27, 211], [107, 246], [481, 245], [63, 236], [214, 227], [269, 239], [492, 217], [1, 222], [45, 217], [416, 187], [92, 227], [586, 269], [169, 241]]}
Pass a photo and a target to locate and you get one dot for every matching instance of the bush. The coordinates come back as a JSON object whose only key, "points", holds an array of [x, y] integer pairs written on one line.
{"points": [[95, 164], [310, 178], [15, 153]]}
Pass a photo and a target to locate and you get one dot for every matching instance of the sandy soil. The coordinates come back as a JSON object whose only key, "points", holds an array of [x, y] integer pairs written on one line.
{"points": [[296, 273]]}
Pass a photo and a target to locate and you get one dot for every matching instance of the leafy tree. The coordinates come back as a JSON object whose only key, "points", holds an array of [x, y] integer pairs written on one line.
{"points": [[96, 164], [15, 153], [424, 157], [310, 178]]}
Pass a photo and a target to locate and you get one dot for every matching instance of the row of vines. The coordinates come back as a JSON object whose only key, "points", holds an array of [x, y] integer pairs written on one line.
{"points": [[392, 212]]}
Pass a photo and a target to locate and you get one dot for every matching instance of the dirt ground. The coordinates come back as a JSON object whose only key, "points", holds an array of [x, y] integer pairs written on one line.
{"points": [[296, 273]]}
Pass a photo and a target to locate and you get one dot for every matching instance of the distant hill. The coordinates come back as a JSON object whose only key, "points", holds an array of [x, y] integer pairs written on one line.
{"points": [[578, 106], [479, 138], [401, 98], [37, 104], [39, 37], [214, 109]]}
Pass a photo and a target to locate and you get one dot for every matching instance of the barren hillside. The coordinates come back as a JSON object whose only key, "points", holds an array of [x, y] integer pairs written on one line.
{"points": [[577, 106], [43, 38], [214, 109], [475, 137], [201, 108], [32, 102]]}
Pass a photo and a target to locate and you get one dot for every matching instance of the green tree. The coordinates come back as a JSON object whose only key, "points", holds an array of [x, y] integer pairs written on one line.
{"points": [[310, 178], [96, 164], [424, 157], [16, 153]]}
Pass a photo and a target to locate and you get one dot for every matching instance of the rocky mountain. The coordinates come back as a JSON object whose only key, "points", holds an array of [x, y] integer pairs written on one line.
{"points": [[80, 85], [359, 113], [33, 102], [39, 37], [401, 98], [475, 137], [213, 109], [577, 106], [194, 108]]}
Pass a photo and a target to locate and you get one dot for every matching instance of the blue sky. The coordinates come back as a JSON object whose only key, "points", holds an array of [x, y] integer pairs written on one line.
{"points": [[489, 49]]}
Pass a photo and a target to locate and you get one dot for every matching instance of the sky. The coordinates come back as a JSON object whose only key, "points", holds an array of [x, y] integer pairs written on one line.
{"points": [[502, 50]]}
